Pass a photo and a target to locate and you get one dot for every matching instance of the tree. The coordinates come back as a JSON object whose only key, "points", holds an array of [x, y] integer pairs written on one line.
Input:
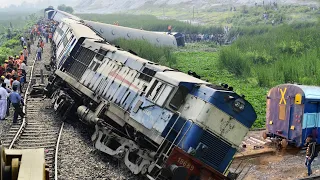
{"points": [[65, 8]]}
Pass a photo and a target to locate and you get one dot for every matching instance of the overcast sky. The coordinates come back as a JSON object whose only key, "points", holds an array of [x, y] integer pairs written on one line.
{"points": [[6, 3]]}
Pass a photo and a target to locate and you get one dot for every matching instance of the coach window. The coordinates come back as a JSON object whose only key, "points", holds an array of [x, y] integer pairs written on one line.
{"points": [[101, 54], [178, 98]]}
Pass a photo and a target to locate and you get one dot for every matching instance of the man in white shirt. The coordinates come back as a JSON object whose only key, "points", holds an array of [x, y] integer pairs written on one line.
{"points": [[23, 68], [22, 41], [7, 81], [3, 101]]}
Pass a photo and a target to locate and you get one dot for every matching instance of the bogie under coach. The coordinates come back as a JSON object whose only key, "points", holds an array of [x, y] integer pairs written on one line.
{"points": [[163, 123]]}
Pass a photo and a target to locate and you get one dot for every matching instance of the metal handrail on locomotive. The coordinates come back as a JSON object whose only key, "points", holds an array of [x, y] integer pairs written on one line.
{"points": [[163, 123], [293, 114]]}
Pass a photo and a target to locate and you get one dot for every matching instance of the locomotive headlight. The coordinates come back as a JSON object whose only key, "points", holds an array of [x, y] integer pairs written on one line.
{"points": [[238, 105]]}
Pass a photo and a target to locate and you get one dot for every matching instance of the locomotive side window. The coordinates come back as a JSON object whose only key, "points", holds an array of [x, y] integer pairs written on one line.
{"points": [[92, 65], [152, 88], [96, 67], [101, 54], [156, 91], [159, 92], [147, 74], [164, 95], [178, 98]]}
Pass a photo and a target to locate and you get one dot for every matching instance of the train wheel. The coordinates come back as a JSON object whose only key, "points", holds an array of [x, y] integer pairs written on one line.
{"points": [[55, 96], [284, 143]]}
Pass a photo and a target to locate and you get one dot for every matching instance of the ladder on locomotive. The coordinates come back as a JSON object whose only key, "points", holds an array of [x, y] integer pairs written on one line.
{"points": [[164, 155]]}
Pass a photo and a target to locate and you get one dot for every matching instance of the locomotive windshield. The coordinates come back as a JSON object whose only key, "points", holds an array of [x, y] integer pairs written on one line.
{"points": [[178, 98]]}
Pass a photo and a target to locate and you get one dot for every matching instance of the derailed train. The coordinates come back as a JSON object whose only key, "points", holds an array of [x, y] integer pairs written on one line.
{"points": [[112, 32], [163, 123]]}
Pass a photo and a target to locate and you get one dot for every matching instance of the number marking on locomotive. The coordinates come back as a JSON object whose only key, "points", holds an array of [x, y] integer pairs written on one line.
{"points": [[185, 163]]}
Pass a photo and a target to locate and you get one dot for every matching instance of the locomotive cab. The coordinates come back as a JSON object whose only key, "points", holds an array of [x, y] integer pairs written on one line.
{"points": [[293, 113]]}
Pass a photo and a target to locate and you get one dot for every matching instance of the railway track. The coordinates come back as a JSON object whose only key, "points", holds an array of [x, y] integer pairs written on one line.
{"points": [[35, 130]]}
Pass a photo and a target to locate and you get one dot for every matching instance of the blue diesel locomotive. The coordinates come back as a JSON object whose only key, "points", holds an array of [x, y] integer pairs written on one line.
{"points": [[163, 123]]}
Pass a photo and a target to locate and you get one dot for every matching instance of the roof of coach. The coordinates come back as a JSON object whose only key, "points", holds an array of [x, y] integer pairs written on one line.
{"points": [[176, 77], [69, 15], [81, 30], [49, 11], [135, 32], [310, 92]]}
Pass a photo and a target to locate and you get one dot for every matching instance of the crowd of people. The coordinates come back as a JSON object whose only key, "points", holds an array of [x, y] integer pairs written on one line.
{"points": [[14, 70]]}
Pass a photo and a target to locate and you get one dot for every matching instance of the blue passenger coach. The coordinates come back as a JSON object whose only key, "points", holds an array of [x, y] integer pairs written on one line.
{"points": [[293, 113]]}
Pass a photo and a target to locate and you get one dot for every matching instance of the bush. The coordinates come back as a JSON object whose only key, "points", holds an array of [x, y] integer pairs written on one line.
{"points": [[231, 59], [144, 49], [284, 54], [11, 43]]}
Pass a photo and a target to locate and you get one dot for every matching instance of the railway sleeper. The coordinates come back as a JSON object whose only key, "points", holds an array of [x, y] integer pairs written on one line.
{"points": [[30, 147], [37, 140]]}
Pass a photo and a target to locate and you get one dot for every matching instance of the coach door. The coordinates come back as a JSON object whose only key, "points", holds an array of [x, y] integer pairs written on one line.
{"points": [[311, 120]]}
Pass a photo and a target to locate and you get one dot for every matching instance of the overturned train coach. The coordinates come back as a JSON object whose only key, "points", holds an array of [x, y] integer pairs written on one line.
{"points": [[113, 32], [163, 123]]}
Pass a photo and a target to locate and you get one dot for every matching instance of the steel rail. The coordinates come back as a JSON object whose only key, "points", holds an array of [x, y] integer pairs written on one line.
{"points": [[56, 154], [24, 107]]}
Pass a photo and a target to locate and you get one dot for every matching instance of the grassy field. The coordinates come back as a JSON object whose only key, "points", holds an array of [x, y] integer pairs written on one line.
{"points": [[221, 15], [285, 54]]}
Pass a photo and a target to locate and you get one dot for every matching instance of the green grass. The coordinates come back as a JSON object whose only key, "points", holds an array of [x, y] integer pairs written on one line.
{"points": [[284, 54], [206, 65]]}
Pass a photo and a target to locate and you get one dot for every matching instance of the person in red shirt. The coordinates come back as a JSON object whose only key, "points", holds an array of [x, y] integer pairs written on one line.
{"points": [[21, 56], [41, 44]]}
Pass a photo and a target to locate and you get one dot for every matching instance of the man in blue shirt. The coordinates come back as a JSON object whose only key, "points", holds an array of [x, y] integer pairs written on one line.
{"points": [[16, 101]]}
